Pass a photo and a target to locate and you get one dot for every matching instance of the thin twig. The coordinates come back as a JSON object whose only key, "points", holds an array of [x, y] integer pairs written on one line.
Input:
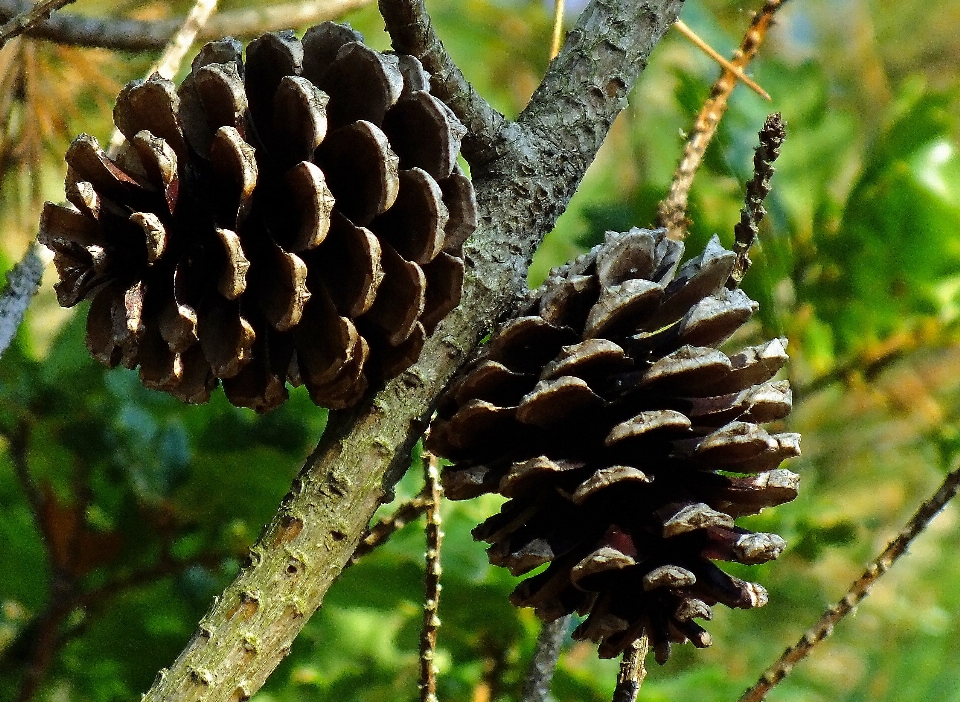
{"points": [[23, 281], [18, 440], [858, 590], [672, 212], [536, 687], [20, 23], [682, 27], [411, 32], [431, 597], [748, 228], [45, 644], [381, 532], [176, 50], [632, 671], [145, 35], [557, 28]]}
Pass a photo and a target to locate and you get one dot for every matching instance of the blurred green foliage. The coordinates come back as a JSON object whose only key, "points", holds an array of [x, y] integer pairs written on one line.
{"points": [[148, 506]]}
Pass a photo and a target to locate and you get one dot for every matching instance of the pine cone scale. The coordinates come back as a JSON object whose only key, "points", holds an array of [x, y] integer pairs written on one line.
{"points": [[610, 417], [264, 208]]}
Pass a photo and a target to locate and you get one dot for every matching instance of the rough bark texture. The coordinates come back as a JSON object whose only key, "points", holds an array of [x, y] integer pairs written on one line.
{"points": [[524, 174]]}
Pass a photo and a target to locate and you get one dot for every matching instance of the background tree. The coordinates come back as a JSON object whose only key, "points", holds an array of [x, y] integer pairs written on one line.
{"points": [[125, 512]]}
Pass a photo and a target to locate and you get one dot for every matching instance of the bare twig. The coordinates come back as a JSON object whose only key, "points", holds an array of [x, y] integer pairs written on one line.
{"points": [[747, 229], [18, 440], [169, 62], [858, 590], [23, 281], [682, 27], [672, 212], [173, 54], [411, 32], [144, 35], [431, 596], [23, 21], [557, 28], [45, 644], [632, 671], [381, 532], [536, 687]]}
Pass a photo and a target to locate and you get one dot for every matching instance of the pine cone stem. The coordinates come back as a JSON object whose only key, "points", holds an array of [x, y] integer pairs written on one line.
{"points": [[411, 32]]}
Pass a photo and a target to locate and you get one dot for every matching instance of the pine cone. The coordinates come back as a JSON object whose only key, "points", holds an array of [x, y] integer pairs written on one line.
{"points": [[298, 217], [626, 443]]}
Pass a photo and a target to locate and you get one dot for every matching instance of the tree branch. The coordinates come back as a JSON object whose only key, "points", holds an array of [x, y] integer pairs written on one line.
{"points": [[672, 212], [146, 35], [364, 451], [858, 590], [23, 281], [26, 19], [381, 532], [411, 32], [536, 687]]}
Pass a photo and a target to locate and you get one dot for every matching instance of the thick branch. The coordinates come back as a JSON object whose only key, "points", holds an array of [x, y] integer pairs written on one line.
{"points": [[143, 35], [411, 32], [362, 453]]}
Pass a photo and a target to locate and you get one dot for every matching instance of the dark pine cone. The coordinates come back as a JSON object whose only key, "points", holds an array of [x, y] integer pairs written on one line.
{"points": [[626, 442], [298, 217]]}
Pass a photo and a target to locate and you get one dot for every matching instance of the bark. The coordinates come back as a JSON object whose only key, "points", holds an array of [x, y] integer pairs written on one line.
{"points": [[143, 35], [524, 173]]}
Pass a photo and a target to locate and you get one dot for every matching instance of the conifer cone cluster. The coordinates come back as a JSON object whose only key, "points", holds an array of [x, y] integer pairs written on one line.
{"points": [[297, 216], [626, 442]]}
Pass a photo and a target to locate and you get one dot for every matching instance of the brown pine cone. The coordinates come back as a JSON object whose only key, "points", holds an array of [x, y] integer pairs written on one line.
{"points": [[296, 217], [626, 442]]}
